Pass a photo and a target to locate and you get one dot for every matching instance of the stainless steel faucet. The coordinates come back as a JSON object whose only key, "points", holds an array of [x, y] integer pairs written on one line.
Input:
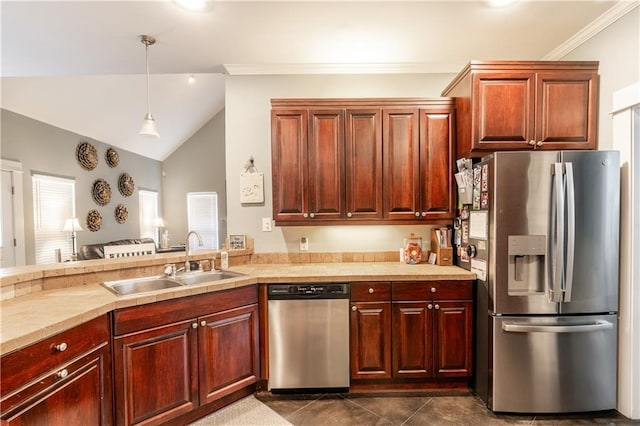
{"points": [[187, 266]]}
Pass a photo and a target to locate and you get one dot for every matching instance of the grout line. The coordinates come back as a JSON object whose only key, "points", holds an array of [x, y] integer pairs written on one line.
{"points": [[302, 408], [414, 413], [366, 409]]}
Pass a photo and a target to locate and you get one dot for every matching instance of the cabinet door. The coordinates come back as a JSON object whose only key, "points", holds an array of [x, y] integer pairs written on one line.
{"points": [[289, 160], [436, 164], [76, 394], [155, 374], [452, 338], [364, 164], [567, 110], [228, 352], [412, 340], [503, 108], [370, 340], [401, 197], [326, 164]]}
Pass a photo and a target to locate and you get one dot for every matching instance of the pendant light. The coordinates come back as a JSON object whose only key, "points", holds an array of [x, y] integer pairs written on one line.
{"points": [[149, 123]]}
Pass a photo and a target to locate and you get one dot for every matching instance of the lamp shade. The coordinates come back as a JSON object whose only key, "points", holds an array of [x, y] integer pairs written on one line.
{"points": [[71, 225], [149, 127], [158, 222]]}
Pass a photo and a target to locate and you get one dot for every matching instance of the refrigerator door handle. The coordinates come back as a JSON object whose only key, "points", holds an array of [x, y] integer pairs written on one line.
{"points": [[598, 325], [571, 233], [557, 242]]}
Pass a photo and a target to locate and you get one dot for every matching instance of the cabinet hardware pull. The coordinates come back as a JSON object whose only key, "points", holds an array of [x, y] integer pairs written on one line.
{"points": [[539, 143], [305, 215], [203, 323], [532, 142], [437, 306], [349, 214], [194, 325], [312, 215], [62, 374], [61, 347], [371, 291], [433, 289], [429, 306], [353, 308], [424, 214], [417, 214]]}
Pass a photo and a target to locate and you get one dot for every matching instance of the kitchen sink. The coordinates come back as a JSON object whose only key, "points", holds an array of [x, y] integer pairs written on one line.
{"points": [[200, 277], [140, 285]]}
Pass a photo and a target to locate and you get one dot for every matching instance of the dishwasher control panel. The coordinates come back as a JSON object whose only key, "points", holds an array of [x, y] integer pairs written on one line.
{"points": [[308, 290]]}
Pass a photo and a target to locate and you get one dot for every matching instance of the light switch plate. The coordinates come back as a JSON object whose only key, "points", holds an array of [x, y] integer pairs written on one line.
{"points": [[304, 244], [266, 224]]}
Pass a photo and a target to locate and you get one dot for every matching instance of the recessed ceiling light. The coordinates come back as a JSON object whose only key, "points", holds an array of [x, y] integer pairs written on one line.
{"points": [[500, 3], [191, 79], [195, 5]]}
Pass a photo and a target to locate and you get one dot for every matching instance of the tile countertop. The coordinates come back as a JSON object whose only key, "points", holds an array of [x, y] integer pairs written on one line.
{"points": [[33, 317]]}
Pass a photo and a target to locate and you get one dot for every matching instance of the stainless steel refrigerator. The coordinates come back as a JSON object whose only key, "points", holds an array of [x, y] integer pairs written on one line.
{"points": [[543, 241]]}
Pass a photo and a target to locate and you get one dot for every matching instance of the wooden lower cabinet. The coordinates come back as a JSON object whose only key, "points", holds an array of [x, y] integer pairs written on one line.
{"points": [[432, 339], [62, 380], [165, 372], [411, 334]]}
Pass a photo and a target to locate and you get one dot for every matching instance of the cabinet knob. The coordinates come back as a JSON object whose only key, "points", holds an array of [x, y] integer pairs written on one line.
{"points": [[417, 214], [203, 323], [312, 215], [429, 306], [433, 289], [371, 291], [194, 325], [62, 374], [539, 143], [437, 306], [61, 347], [349, 214], [353, 308], [305, 214], [424, 214], [532, 142]]}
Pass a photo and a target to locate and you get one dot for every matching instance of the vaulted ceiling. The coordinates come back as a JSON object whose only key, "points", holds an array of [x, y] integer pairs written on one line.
{"points": [[79, 65]]}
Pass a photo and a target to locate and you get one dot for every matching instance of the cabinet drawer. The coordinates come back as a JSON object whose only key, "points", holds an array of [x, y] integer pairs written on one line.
{"points": [[432, 290], [21, 366], [370, 291]]}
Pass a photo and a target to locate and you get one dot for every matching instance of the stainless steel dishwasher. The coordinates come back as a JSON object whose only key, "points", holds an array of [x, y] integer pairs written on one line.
{"points": [[308, 336]]}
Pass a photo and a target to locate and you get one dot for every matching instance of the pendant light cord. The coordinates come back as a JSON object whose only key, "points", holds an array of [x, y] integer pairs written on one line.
{"points": [[146, 49]]}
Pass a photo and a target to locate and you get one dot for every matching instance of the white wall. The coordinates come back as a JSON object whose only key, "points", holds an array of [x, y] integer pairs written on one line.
{"points": [[248, 133]]}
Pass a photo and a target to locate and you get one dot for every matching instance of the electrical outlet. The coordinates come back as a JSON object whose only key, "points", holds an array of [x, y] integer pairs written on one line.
{"points": [[266, 224], [304, 244]]}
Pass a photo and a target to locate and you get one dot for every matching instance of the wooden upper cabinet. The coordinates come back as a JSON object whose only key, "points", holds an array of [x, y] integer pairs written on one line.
{"points": [[533, 105], [401, 163], [363, 148], [366, 161], [437, 145], [289, 158], [326, 164]]}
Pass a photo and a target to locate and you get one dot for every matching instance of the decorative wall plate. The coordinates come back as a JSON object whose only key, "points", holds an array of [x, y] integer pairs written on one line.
{"points": [[111, 157], [126, 184], [94, 220], [121, 213], [101, 192], [87, 155]]}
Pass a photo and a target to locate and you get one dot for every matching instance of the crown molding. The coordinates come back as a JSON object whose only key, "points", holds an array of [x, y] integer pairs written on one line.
{"points": [[300, 68], [616, 12]]}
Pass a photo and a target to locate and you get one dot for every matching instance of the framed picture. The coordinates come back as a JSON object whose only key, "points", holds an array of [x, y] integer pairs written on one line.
{"points": [[237, 242]]}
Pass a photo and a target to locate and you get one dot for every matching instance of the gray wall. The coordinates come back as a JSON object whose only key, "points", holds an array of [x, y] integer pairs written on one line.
{"points": [[617, 48], [42, 148], [248, 129], [197, 165]]}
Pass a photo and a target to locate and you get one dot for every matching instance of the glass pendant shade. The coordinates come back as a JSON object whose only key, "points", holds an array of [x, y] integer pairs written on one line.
{"points": [[149, 127]]}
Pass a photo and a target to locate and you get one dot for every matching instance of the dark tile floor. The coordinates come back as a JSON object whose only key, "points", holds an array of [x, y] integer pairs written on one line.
{"points": [[452, 408]]}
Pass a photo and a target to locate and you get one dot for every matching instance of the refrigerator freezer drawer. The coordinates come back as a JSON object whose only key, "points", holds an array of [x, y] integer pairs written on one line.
{"points": [[553, 364]]}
